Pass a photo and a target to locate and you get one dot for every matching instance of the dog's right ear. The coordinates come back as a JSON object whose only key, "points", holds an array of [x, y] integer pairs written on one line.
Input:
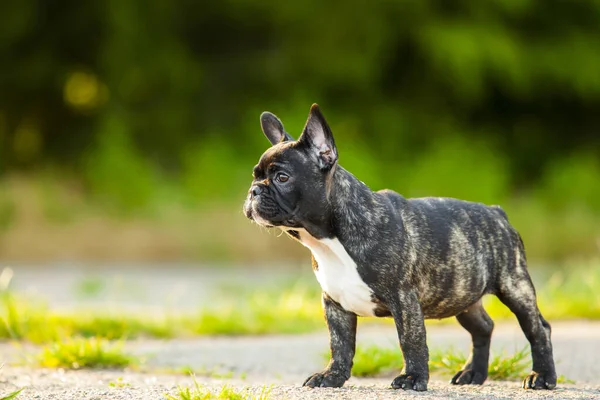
{"points": [[273, 128]]}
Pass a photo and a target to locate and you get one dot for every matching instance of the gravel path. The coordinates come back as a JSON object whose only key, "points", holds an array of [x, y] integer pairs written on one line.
{"points": [[85, 385], [284, 361]]}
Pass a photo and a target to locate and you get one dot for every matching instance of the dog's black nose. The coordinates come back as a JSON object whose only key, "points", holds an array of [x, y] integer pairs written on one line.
{"points": [[256, 190]]}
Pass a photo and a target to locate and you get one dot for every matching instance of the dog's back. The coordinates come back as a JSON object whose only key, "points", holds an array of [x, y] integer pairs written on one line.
{"points": [[459, 250]]}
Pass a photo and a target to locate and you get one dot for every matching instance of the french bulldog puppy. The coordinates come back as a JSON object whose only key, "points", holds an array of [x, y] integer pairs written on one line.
{"points": [[380, 254]]}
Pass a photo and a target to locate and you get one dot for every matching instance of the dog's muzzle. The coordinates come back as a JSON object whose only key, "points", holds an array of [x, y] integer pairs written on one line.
{"points": [[252, 206]]}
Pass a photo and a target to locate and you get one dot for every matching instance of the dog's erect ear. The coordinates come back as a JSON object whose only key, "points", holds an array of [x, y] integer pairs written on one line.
{"points": [[319, 139], [273, 128]]}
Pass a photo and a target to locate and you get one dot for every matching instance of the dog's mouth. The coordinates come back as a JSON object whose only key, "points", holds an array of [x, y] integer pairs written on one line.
{"points": [[276, 221], [256, 217]]}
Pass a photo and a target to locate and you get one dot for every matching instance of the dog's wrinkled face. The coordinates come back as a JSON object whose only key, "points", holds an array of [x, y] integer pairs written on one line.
{"points": [[289, 189]]}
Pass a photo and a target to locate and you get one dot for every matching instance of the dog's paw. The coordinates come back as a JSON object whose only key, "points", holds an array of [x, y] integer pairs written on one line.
{"points": [[469, 377], [410, 381], [539, 381], [325, 379]]}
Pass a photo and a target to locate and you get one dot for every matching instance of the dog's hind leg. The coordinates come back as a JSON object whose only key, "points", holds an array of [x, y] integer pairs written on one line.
{"points": [[479, 324], [516, 291]]}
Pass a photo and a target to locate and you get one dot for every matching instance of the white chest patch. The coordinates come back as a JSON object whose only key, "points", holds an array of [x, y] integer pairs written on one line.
{"points": [[338, 276]]}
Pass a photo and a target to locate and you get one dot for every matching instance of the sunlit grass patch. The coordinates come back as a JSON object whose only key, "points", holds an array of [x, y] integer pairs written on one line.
{"points": [[291, 308], [294, 311], [119, 326], [501, 367], [119, 383], [200, 392], [447, 362], [31, 320], [26, 319], [372, 360], [287, 309], [85, 353], [563, 379], [509, 367]]}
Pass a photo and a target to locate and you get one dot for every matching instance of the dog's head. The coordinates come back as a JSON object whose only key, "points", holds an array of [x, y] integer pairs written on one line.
{"points": [[291, 180]]}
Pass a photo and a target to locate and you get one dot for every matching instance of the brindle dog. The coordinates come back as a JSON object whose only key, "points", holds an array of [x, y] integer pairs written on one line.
{"points": [[380, 254]]}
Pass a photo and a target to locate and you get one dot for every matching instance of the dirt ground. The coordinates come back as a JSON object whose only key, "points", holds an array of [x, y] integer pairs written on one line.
{"points": [[282, 363]]}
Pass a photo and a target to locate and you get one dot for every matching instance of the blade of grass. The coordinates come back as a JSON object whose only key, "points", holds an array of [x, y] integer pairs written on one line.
{"points": [[12, 395]]}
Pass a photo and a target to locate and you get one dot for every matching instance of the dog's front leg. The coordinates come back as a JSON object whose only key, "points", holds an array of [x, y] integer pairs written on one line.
{"points": [[342, 342], [410, 323]]}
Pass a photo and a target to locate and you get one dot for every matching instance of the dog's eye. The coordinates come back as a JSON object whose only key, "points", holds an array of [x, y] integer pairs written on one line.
{"points": [[282, 178]]}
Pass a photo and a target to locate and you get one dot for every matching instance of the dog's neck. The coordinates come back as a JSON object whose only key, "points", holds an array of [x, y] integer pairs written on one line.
{"points": [[355, 209], [348, 197]]}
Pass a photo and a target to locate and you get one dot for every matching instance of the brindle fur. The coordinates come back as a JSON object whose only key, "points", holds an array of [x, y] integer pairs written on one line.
{"points": [[422, 258]]}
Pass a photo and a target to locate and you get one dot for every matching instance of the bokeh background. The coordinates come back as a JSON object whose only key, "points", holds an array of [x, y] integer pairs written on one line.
{"points": [[129, 129]]}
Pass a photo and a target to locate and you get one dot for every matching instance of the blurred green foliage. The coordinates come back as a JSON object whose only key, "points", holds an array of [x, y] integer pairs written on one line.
{"points": [[7, 213], [150, 101]]}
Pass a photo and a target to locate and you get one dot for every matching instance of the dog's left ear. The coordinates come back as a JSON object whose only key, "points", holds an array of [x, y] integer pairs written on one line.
{"points": [[318, 138], [273, 128]]}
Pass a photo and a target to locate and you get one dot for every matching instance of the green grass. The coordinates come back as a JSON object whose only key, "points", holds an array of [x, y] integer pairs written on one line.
{"points": [[12, 395], [372, 360], [200, 392], [85, 353], [119, 383], [446, 362], [571, 293], [563, 379], [31, 320], [295, 310], [502, 367], [509, 367]]}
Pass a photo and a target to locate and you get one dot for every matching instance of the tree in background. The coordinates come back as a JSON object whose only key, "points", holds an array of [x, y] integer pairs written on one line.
{"points": [[476, 99]]}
